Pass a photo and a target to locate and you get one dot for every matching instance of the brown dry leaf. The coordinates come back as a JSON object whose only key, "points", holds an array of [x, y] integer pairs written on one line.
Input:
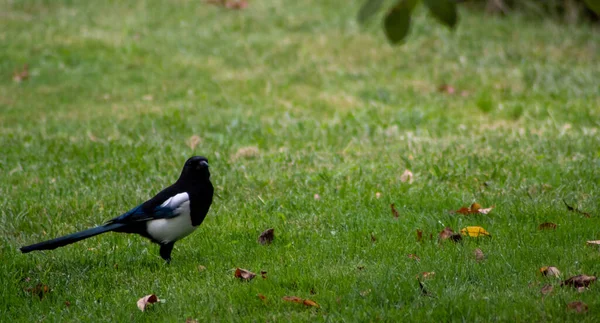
{"points": [[547, 226], [445, 88], [267, 236], [22, 75], [239, 4], [579, 307], [201, 268], [426, 275], [40, 290], [308, 302], [261, 296], [419, 235], [579, 281], [593, 243], [474, 209], [448, 233], [246, 152], [547, 289], [474, 231], [67, 303], [244, 274], [414, 257], [407, 176], [479, 256], [144, 301], [550, 271], [574, 209], [263, 274], [293, 299], [194, 141], [394, 212]]}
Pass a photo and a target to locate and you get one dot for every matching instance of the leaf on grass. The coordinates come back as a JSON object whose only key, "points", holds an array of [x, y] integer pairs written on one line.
{"points": [[576, 210], [579, 281], [267, 236], [474, 209], [593, 243], [22, 75], [394, 212], [426, 275], [397, 21], [309, 302], [201, 268], [261, 296], [475, 231], [414, 257], [144, 301], [239, 4], [407, 176], [244, 274], [579, 307], [479, 256], [550, 271], [368, 9], [444, 11], [419, 235], [547, 289], [194, 141], [293, 299], [67, 303], [547, 226], [40, 290], [448, 233], [263, 274]]}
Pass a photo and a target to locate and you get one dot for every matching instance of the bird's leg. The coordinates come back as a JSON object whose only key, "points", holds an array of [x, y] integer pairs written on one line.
{"points": [[165, 251]]}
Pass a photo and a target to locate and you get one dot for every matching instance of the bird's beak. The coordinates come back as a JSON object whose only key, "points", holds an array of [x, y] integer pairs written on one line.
{"points": [[204, 164]]}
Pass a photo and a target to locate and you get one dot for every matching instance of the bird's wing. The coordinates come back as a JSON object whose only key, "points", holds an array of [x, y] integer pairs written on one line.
{"points": [[170, 208]]}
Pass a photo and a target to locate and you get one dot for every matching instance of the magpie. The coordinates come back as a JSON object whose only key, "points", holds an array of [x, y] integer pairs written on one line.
{"points": [[172, 214]]}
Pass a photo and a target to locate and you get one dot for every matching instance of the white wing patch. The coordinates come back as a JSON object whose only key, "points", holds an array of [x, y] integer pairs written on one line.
{"points": [[175, 228]]}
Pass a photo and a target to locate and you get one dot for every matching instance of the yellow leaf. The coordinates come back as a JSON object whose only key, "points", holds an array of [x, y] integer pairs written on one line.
{"points": [[474, 232]]}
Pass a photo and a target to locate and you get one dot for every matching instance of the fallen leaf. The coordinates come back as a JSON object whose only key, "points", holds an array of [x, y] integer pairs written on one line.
{"points": [[40, 290], [194, 141], [593, 243], [414, 257], [22, 75], [445, 88], [579, 281], [308, 302], [201, 268], [263, 274], [407, 176], [479, 256], [419, 235], [579, 307], [426, 275], [448, 233], [547, 226], [267, 236], [244, 274], [474, 231], [67, 303], [474, 209], [144, 301], [394, 212], [261, 296], [550, 271], [293, 299], [239, 4], [547, 289], [576, 210], [246, 152]]}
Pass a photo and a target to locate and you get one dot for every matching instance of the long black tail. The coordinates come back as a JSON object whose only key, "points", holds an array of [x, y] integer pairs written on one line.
{"points": [[71, 238]]}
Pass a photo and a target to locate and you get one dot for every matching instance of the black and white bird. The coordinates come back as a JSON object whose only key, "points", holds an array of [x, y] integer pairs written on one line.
{"points": [[169, 216]]}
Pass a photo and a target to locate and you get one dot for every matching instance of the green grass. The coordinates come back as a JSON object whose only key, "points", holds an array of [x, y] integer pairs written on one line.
{"points": [[116, 91]]}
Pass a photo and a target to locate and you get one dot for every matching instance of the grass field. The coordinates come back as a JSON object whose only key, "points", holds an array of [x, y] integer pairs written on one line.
{"points": [[289, 99]]}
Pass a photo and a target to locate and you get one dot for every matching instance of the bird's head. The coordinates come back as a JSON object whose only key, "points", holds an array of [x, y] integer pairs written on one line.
{"points": [[195, 169]]}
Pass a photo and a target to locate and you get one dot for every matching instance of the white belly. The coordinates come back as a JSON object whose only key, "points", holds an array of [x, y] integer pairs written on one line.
{"points": [[169, 230]]}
